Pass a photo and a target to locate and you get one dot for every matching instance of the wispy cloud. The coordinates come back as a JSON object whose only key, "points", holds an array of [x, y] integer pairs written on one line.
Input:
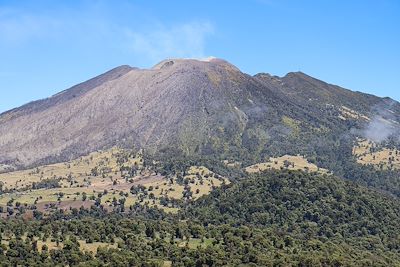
{"points": [[17, 26], [97, 26], [184, 40]]}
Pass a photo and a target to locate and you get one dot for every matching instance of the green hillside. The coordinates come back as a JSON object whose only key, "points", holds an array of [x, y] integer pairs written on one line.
{"points": [[276, 218], [335, 214]]}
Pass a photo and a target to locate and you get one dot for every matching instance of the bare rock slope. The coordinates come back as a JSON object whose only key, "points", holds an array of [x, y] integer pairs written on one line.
{"points": [[181, 105], [171, 103]]}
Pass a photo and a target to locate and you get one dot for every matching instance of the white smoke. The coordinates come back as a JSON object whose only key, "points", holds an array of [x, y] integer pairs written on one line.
{"points": [[384, 124], [380, 129]]}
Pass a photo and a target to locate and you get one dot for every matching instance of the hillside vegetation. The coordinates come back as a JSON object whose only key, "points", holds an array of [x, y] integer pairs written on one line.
{"points": [[368, 152], [114, 178], [286, 162], [275, 218], [311, 209]]}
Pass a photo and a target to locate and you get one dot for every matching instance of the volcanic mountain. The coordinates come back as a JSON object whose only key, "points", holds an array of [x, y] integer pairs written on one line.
{"points": [[193, 108]]}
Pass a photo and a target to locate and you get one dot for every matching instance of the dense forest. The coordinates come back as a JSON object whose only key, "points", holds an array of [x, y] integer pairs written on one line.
{"points": [[277, 218]]}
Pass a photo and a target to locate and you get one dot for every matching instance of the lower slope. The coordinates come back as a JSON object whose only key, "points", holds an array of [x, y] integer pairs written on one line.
{"points": [[341, 218]]}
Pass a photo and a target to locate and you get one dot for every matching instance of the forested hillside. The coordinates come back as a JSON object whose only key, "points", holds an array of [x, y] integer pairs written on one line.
{"points": [[276, 218]]}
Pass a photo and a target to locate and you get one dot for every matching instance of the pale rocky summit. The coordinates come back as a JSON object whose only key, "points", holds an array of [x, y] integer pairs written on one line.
{"points": [[183, 105], [174, 102]]}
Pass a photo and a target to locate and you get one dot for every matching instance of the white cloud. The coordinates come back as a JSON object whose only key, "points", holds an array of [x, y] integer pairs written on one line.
{"points": [[94, 26], [183, 41]]}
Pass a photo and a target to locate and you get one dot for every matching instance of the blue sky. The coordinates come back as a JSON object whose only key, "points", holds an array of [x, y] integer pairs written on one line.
{"points": [[48, 46]]}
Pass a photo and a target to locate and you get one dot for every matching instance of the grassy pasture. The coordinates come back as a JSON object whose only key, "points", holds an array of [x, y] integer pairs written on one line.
{"points": [[102, 175], [79, 172], [285, 162], [369, 153], [89, 247]]}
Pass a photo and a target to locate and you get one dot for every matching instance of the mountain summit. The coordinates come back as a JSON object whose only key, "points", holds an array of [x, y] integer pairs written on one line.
{"points": [[191, 107]]}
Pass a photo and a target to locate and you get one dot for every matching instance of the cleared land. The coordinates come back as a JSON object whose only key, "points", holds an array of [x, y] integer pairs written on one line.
{"points": [[79, 172], [112, 178], [369, 153], [286, 162]]}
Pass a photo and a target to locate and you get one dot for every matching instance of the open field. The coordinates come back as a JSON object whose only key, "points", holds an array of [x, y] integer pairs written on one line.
{"points": [[286, 162], [79, 172], [105, 177], [52, 244], [231, 163], [195, 243], [89, 247], [369, 153]]}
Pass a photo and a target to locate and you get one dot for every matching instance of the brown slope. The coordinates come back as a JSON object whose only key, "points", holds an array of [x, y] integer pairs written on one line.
{"points": [[178, 102], [188, 106], [66, 95], [324, 99], [305, 89]]}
